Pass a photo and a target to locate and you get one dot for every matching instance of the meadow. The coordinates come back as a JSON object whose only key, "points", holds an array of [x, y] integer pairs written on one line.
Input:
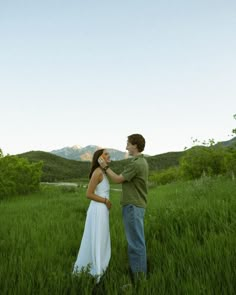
{"points": [[190, 230]]}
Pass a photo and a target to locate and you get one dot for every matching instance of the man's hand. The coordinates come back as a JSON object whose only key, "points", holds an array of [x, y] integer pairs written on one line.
{"points": [[112, 175], [101, 162]]}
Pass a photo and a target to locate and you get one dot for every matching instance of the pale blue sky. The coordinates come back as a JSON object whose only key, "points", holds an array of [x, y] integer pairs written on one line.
{"points": [[93, 72]]}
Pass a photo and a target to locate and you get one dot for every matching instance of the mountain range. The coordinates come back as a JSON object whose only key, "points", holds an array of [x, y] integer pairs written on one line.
{"points": [[228, 143], [57, 168], [80, 153]]}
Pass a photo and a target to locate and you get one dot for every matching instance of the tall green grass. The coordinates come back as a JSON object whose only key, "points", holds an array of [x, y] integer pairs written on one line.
{"points": [[190, 234]]}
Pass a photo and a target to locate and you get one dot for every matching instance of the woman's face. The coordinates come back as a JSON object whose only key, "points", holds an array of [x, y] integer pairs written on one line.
{"points": [[106, 156]]}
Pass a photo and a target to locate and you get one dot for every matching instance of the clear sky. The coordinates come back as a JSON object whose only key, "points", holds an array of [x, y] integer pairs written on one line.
{"points": [[93, 72]]}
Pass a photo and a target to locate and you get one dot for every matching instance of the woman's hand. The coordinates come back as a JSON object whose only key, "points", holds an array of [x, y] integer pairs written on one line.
{"points": [[108, 203]]}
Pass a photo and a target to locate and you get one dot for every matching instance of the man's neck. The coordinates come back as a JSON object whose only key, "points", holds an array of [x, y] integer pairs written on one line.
{"points": [[136, 154]]}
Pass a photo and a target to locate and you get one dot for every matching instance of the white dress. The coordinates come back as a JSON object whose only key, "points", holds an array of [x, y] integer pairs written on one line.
{"points": [[95, 247]]}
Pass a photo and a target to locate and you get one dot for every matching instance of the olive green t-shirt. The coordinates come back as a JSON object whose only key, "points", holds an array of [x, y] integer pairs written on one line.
{"points": [[134, 188]]}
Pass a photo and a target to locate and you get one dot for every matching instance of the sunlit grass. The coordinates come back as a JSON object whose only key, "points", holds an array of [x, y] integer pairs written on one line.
{"points": [[190, 234]]}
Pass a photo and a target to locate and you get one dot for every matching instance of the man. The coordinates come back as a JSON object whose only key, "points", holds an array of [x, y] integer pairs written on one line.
{"points": [[134, 181]]}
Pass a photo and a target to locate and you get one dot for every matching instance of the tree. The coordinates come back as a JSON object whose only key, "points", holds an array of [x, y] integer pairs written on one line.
{"points": [[234, 130], [18, 176], [202, 160]]}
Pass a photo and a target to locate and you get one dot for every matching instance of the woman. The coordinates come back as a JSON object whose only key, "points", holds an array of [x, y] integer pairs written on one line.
{"points": [[95, 248]]}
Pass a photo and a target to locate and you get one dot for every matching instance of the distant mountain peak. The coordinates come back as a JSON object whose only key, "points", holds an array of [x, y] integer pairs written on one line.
{"points": [[76, 146], [79, 153]]}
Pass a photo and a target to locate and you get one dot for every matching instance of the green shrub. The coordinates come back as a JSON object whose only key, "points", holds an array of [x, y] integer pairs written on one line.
{"points": [[18, 176], [165, 176], [208, 161], [231, 161]]}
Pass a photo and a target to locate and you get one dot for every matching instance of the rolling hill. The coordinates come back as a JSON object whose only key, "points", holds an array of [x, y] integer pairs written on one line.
{"points": [[56, 168]]}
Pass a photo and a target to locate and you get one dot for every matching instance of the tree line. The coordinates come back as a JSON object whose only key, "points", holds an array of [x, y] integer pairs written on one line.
{"points": [[21, 176], [197, 162], [207, 160]]}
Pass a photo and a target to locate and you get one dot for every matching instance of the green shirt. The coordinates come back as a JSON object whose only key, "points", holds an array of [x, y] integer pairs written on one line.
{"points": [[134, 188]]}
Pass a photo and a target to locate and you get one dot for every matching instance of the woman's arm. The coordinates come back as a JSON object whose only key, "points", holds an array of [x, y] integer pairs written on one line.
{"points": [[96, 178]]}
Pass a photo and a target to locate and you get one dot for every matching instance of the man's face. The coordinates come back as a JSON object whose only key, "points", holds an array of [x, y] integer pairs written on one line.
{"points": [[131, 148]]}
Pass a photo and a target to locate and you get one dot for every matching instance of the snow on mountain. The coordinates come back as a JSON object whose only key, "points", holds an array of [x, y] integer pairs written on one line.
{"points": [[79, 153]]}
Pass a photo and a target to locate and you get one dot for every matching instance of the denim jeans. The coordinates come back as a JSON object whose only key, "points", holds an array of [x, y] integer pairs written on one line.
{"points": [[134, 230]]}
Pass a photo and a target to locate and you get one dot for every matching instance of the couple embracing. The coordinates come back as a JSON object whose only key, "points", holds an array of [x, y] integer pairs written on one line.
{"points": [[95, 247]]}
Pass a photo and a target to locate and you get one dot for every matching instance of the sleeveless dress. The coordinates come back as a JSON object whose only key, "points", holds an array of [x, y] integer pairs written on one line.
{"points": [[95, 247]]}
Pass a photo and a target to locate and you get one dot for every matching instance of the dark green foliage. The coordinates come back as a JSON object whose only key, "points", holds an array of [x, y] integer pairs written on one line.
{"points": [[231, 160], [229, 143], [164, 161], [198, 161], [18, 176], [56, 168], [209, 161], [155, 163], [165, 176]]}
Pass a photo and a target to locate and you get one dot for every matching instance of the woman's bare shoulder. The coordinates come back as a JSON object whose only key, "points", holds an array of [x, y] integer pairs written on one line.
{"points": [[97, 173]]}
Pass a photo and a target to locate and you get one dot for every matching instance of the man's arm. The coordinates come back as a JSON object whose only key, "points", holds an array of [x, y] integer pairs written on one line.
{"points": [[115, 177]]}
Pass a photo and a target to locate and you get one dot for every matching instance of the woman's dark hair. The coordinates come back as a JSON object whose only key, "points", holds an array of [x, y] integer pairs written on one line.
{"points": [[95, 163], [137, 139]]}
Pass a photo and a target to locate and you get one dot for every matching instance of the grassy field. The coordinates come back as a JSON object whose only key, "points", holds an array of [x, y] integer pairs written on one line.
{"points": [[190, 234]]}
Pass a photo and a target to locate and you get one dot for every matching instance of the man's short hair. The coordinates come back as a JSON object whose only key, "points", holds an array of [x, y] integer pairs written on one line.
{"points": [[137, 139]]}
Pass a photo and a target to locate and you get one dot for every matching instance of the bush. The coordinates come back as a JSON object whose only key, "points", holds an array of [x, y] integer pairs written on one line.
{"points": [[18, 176], [208, 161], [231, 160], [165, 176]]}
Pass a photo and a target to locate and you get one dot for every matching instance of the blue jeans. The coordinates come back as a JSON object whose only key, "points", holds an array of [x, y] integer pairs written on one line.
{"points": [[134, 230]]}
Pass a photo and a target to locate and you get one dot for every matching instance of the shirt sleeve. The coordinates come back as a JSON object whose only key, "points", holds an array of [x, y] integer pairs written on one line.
{"points": [[129, 171]]}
